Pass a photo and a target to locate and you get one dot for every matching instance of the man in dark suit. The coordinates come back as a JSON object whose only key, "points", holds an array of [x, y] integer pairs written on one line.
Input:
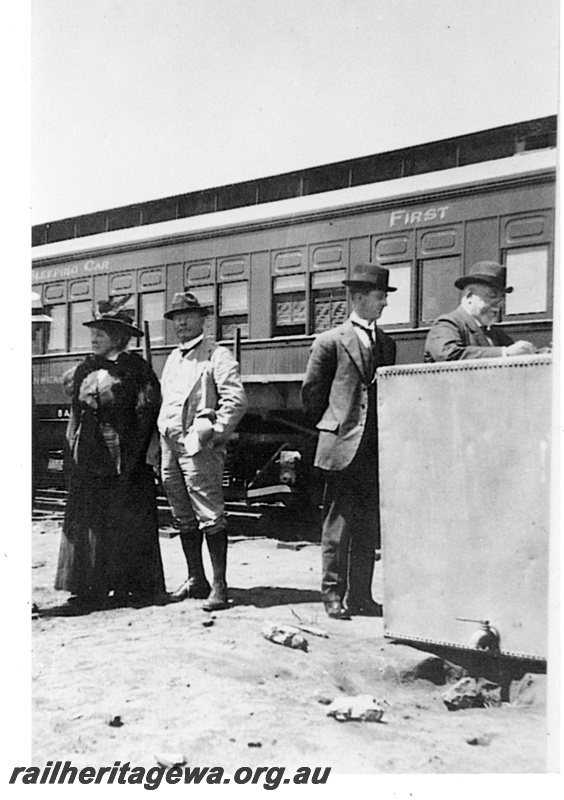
{"points": [[467, 331], [339, 394]]}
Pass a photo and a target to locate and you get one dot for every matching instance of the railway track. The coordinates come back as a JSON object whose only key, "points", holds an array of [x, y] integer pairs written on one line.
{"points": [[272, 520]]}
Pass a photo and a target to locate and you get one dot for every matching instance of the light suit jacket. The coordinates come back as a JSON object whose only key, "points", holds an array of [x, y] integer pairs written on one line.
{"points": [[458, 336], [212, 389], [335, 392]]}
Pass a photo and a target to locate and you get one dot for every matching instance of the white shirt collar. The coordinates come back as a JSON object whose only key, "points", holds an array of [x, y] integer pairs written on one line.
{"points": [[364, 322], [190, 344]]}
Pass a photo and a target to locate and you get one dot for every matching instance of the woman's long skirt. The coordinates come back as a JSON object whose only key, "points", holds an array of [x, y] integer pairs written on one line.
{"points": [[110, 537]]}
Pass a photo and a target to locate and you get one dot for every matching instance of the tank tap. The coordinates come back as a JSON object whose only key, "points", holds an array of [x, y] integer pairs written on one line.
{"points": [[487, 638]]}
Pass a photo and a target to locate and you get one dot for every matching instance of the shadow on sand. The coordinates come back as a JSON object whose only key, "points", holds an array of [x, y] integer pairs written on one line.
{"points": [[268, 596]]}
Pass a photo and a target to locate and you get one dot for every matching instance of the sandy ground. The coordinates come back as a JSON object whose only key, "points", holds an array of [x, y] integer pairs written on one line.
{"points": [[223, 695]]}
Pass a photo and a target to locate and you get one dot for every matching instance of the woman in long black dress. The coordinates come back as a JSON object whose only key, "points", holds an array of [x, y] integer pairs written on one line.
{"points": [[110, 533]]}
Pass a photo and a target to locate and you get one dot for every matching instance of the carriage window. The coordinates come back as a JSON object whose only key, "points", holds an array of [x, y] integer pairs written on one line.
{"points": [[151, 310], [329, 298], [79, 335], [206, 298], [56, 333], [438, 293], [398, 310], [527, 272], [289, 305], [233, 309]]}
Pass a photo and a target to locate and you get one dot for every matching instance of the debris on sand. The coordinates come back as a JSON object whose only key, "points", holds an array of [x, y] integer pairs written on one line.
{"points": [[363, 708], [285, 635], [483, 741], [324, 700], [472, 693], [115, 722], [313, 629]]}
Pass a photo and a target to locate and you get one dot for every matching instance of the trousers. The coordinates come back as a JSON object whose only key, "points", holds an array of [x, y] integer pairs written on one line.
{"points": [[351, 524], [193, 485]]}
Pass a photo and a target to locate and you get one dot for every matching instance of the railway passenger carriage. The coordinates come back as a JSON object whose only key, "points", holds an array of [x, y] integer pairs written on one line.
{"points": [[268, 259]]}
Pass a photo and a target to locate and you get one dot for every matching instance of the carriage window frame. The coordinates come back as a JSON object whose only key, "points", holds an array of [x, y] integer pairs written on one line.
{"points": [[291, 289], [238, 317], [323, 287], [452, 293], [411, 299], [161, 338], [50, 310], [523, 316], [86, 346]]}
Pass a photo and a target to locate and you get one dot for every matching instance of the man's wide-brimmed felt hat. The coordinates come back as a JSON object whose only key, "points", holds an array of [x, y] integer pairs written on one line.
{"points": [[185, 301], [113, 315], [370, 275], [489, 272]]}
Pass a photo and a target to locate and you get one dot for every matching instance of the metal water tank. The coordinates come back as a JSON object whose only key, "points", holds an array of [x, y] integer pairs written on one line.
{"points": [[465, 503]]}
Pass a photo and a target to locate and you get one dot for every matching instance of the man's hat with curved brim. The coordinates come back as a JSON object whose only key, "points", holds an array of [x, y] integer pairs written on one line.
{"points": [[185, 301], [489, 272], [370, 275], [113, 316]]}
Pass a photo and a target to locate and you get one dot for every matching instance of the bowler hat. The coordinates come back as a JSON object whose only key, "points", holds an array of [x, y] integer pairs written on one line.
{"points": [[185, 301], [112, 315], [370, 275], [489, 272]]}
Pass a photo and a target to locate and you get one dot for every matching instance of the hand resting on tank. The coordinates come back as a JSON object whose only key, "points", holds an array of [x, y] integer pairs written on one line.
{"points": [[521, 348]]}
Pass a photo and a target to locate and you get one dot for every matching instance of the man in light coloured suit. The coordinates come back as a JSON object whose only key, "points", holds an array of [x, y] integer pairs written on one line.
{"points": [[203, 401], [339, 394]]}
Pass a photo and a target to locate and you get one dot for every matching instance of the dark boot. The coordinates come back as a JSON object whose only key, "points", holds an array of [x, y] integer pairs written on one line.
{"points": [[196, 585], [217, 545]]}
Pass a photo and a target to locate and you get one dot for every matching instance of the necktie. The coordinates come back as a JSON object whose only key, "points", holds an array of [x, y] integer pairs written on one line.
{"points": [[373, 348], [486, 332], [369, 331]]}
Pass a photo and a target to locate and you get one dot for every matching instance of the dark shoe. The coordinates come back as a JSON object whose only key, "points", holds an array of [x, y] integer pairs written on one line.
{"points": [[191, 589], [218, 598], [336, 610], [365, 608]]}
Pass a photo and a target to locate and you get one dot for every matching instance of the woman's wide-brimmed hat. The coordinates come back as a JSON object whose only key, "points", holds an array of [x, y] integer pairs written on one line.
{"points": [[489, 272], [113, 316], [370, 275], [185, 301]]}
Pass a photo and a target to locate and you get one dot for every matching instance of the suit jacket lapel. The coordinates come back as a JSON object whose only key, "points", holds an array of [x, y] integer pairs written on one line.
{"points": [[353, 348], [475, 330]]}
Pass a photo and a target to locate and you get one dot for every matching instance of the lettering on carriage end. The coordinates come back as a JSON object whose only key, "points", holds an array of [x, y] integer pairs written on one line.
{"points": [[404, 216], [90, 267], [151, 778]]}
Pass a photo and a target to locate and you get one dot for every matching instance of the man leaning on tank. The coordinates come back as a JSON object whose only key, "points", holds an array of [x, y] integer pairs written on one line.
{"points": [[469, 330]]}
